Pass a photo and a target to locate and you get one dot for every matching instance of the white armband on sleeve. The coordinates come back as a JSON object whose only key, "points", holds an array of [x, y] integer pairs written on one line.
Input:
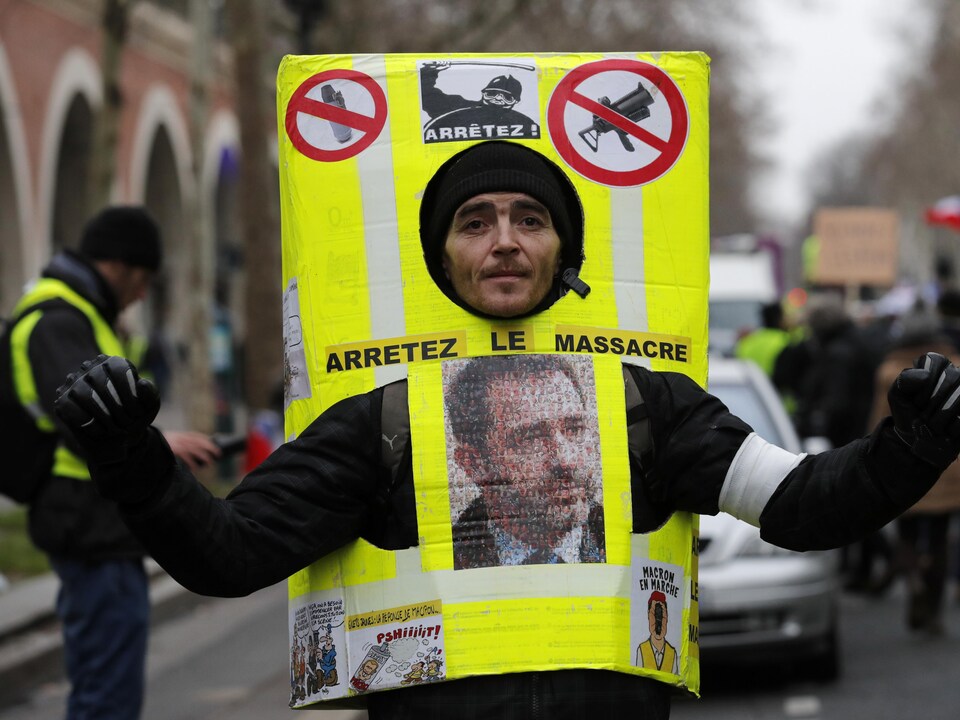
{"points": [[755, 473]]}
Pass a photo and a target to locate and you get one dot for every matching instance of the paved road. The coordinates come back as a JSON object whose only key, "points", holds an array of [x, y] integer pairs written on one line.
{"points": [[227, 659], [224, 659], [888, 674]]}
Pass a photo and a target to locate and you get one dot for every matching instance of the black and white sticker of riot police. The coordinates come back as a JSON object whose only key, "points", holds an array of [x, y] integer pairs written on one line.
{"points": [[478, 100]]}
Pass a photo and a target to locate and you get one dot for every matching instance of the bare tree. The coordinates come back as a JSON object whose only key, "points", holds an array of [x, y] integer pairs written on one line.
{"points": [[908, 163], [585, 26], [263, 348], [199, 380], [103, 158]]}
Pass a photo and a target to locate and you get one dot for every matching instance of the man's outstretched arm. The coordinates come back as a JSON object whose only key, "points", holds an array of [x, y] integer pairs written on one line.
{"points": [[310, 497]]}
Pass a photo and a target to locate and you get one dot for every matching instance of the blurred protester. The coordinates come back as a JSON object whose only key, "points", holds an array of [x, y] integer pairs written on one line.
{"points": [[948, 310], [835, 388], [68, 314], [923, 549], [764, 344], [830, 374]]}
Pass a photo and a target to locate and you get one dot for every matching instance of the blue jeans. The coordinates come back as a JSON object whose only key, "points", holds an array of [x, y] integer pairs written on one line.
{"points": [[105, 612]]}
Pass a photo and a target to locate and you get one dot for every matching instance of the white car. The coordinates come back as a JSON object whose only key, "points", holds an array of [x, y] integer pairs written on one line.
{"points": [[760, 603]]}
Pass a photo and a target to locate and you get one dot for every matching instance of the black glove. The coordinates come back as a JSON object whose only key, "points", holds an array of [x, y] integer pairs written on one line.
{"points": [[108, 408], [925, 408]]}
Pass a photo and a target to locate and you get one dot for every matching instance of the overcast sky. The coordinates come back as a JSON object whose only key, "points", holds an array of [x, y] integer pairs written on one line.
{"points": [[824, 65]]}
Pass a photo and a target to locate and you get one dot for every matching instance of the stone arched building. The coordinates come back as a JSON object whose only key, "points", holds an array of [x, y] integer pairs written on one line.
{"points": [[50, 90]]}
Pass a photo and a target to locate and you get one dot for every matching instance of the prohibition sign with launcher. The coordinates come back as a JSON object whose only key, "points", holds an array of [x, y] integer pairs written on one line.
{"points": [[621, 123], [335, 115]]}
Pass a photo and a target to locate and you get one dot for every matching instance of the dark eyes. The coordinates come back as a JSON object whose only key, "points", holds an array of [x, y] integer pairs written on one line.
{"points": [[479, 224], [570, 428]]}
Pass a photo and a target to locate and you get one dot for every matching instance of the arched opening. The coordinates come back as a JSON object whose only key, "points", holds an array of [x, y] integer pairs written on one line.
{"points": [[228, 292], [12, 267], [165, 319], [70, 198]]}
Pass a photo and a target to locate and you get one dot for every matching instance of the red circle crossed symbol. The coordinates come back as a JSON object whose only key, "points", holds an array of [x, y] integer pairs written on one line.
{"points": [[668, 150], [369, 126]]}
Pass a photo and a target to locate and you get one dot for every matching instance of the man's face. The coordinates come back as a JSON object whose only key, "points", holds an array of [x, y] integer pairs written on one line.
{"points": [[132, 284], [501, 253], [537, 464], [499, 98]]}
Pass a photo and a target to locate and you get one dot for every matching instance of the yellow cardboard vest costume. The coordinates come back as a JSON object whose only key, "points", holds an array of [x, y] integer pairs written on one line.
{"points": [[360, 138]]}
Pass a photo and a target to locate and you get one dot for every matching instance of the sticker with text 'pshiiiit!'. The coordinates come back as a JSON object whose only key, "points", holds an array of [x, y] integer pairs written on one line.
{"points": [[397, 647]]}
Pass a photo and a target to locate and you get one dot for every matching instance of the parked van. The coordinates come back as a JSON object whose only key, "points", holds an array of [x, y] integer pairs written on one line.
{"points": [[741, 283]]}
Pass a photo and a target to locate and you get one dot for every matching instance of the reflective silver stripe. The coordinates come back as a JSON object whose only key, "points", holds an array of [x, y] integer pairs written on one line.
{"points": [[952, 399], [35, 411], [384, 271], [753, 476], [100, 403], [626, 231]]}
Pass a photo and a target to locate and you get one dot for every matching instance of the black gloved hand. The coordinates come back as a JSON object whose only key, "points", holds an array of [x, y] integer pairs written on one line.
{"points": [[925, 408], [108, 408]]}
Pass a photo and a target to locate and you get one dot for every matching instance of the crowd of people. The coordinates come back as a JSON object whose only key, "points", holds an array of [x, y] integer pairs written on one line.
{"points": [[832, 370]]}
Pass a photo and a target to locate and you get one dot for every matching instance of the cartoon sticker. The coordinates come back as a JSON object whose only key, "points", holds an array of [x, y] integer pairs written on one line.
{"points": [[478, 100], [657, 615], [397, 647], [317, 645]]}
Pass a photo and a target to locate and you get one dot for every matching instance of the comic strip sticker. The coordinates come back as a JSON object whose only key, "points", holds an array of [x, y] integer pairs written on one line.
{"points": [[482, 99], [317, 651], [656, 599], [396, 647]]}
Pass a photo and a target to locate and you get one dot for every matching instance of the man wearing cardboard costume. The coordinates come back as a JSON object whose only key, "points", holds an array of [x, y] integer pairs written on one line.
{"points": [[500, 227]]}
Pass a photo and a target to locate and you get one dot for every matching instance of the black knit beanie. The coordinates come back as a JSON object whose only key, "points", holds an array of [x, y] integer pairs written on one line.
{"points": [[500, 167], [124, 233]]}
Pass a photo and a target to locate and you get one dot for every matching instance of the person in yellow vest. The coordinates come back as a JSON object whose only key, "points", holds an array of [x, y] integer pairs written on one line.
{"points": [[69, 313], [655, 651], [764, 344], [502, 234]]}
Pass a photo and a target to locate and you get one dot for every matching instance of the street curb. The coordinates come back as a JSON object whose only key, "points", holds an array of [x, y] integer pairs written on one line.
{"points": [[31, 644]]}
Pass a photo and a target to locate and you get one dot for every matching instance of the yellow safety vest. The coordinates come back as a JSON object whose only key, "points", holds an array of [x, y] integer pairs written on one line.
{"points": [[65, 463]]}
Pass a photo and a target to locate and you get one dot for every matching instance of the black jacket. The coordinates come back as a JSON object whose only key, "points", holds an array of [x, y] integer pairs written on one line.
{"points": [[325, 489], [69, 518]]}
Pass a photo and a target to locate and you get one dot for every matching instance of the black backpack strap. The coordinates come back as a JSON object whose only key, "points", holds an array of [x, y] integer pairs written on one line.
{"points": [[639, 437], [27, 451], [392, 524], [650, 509], [394, 432]]}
